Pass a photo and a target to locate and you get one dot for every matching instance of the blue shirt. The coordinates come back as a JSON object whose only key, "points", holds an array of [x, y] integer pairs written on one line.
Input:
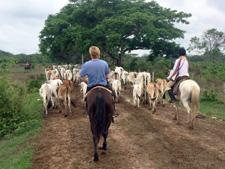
{"points": [[96, 70]]}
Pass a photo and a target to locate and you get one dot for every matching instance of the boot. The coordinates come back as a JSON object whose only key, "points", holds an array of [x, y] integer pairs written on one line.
{"points": [[86, 113], [115, 114], [172, 98]]}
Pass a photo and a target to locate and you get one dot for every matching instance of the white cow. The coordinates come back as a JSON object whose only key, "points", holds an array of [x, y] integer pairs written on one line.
{"points": [[75, 76], [124, 76], [83, 88], [137, 95], [131, 77], [68, 75], [55, 87], [45, 92], [116, 86], [119, 71]]}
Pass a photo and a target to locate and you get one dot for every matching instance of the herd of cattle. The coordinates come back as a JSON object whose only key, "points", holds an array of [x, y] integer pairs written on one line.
{"points": [[58, 88]]}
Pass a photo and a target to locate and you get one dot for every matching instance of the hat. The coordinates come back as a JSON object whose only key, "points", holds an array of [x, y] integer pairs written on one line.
{"points": [[181, 52]]}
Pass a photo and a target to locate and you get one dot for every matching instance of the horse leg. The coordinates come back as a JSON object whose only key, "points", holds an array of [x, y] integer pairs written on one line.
{"points": [[185, 103], [177, 115], [105, 134], [95, 148]]}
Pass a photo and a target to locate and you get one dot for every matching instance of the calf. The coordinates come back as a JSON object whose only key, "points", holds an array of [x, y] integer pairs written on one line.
{"points": [[137, 95], [45, 92], [162, 89], [64, 96], [153, 94]]}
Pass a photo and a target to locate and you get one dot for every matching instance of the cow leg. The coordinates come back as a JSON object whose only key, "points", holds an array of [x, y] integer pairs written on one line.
{"points": [[60, 105], [154, 106]]}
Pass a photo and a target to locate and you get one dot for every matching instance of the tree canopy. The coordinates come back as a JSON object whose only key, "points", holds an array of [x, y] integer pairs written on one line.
{"points": [[211, 43], [115, 26]]}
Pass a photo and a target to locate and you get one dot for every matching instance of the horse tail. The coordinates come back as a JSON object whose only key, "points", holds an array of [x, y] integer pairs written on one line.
{"points": [[194, 100], [100, 113]]}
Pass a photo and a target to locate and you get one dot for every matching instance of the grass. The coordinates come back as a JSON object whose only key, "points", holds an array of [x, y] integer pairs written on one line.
{"points": [[212, 109], [17, 149], [215, 109]]}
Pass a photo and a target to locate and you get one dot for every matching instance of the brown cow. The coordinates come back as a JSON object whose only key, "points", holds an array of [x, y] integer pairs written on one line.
{"points": [[153, 94], [64, 96], [162, 89]]}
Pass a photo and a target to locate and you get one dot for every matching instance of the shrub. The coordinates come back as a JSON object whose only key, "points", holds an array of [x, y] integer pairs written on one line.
{"points": [[33, 85], [210, 95], [11, 101]]}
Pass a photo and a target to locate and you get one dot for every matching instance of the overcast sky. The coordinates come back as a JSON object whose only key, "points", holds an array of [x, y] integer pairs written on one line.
{"points": [[22, 20]]}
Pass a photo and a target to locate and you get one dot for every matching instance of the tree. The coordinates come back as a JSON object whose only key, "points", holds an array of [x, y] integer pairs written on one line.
{"points": [[211, 43], [116, 26]]}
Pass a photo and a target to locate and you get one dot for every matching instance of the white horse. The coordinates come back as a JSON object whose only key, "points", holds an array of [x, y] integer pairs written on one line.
{"points": [[189, 93]]}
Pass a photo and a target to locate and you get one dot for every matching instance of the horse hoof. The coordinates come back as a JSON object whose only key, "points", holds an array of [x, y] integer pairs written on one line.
{"points": [[65, 115], [96, 158]]}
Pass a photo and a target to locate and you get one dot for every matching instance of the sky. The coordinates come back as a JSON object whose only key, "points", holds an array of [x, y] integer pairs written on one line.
{"points": [[22, 20]]}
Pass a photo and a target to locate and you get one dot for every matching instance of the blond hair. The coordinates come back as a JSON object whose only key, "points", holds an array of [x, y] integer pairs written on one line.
{"points": [[182, 58], [94, 52]]}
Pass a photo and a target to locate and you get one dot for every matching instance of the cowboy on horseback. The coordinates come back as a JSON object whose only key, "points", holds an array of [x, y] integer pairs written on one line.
{"points": [[179, 72], [97, 71]]}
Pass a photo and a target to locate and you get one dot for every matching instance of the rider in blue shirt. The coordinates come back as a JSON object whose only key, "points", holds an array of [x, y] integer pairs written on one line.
{"points": [[97, 71]]}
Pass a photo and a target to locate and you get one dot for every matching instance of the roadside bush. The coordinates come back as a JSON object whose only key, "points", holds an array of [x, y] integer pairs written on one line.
{"points": [[33, 85], [11, 101], [210, 95]]}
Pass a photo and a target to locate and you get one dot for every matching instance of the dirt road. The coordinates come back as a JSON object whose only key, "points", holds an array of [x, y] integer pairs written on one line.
{"points": [[137, 139]]}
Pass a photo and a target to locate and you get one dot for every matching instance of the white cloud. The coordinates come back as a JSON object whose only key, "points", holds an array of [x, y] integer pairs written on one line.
{"points": [[22, 20]]}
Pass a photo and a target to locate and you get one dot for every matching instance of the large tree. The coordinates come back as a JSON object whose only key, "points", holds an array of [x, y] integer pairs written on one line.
{"points": [[116, 26], [211, 43]]}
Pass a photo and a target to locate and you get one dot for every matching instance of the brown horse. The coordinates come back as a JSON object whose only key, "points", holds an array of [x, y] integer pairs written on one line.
{"points": [[100, 108]]}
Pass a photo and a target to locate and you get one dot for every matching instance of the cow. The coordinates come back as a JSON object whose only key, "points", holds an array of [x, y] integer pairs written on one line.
{"points": [[137, 95], [131, 77], [68, 75], [55, 87], [46, 92], [64, 97], [83, 88], [49, 74], [153, 94], [119, 71], [116, 86], [162, 89]]}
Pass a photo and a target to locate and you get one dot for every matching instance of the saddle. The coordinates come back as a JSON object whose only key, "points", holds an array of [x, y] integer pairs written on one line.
{"points": [[98, 86], [177, 84]]}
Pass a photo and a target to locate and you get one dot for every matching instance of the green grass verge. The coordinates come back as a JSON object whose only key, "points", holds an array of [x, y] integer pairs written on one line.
{"points": [[17, 149], [212, 109]]}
